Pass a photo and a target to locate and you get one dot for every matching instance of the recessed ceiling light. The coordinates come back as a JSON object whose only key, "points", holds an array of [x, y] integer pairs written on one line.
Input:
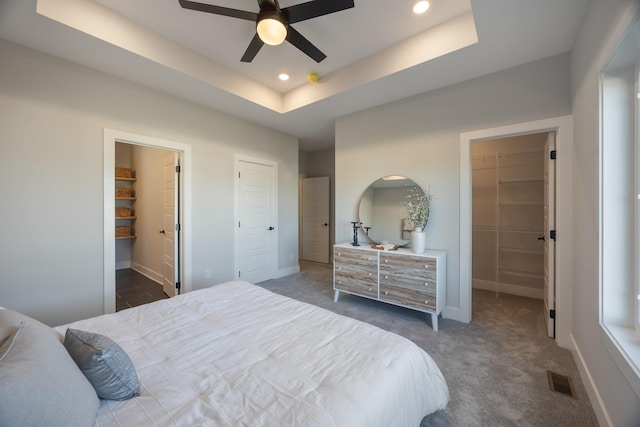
{"points": [[419, 6], [283, 76]]}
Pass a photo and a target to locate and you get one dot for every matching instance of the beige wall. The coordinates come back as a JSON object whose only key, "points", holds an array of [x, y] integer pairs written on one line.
{"points": [[419, 137], [147, 254], [51, 138]]}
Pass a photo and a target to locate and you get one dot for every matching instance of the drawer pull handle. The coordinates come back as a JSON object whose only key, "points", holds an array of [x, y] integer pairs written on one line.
{"points": [[386, 277], [426, 266], [370, 289], [339, 268], [369, 259], [339, 283], [386, 292], [386, 260], [339, 254], [426, 302], [370, 274], [426, 284]]}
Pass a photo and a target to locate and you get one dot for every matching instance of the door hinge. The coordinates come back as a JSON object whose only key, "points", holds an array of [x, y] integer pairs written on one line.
{"points": [[178, 285], [553, 155], [178, 228], [238, 224], [552, 314], [552, 234], [238, 274], [238, 174], [178, 169]]}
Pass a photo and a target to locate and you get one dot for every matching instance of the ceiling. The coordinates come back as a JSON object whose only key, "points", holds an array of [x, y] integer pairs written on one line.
{"points": [[377, 52]]}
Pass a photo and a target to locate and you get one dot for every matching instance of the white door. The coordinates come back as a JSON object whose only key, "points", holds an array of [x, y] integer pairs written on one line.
{"points": [[256, 218], [549, 228], [171, 257], [315, 219]]}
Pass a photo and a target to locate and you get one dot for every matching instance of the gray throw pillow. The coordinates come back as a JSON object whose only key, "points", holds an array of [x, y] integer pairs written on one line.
{"points": [[39, 383], [105, 364]]}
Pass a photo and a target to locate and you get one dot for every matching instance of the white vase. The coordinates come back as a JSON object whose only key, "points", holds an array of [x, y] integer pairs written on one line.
{"points": [[418, 240]]}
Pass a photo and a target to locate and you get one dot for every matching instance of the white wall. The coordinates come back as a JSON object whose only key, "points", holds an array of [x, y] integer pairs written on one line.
{"points": [[51, 143], [419, 138], [615, 401]]}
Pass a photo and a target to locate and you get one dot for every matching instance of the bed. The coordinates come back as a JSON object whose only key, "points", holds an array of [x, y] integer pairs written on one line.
{"points": [[236, 354]]}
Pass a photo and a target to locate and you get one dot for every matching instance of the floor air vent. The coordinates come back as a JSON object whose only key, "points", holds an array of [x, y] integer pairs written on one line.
{"points": [[560, 384]]}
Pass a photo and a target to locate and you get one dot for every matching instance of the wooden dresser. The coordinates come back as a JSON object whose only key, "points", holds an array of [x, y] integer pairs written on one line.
{"points": [[400, 277]]}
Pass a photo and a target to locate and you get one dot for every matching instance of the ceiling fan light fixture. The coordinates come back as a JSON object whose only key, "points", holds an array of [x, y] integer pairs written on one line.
{"points": [[271, 28], [419, 6]]}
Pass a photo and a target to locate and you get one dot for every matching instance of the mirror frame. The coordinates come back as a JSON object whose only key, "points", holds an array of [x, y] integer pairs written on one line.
{"points": [[388, 181]]}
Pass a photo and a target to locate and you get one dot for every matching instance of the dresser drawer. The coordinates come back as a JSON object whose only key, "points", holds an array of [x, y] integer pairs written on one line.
{"points": [[356, 271], [420, 299], [412, 272]]}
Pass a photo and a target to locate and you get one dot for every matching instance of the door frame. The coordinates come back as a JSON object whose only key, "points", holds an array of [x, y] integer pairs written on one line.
{"points": [[563, 127], [112, 136], [237, 158]]}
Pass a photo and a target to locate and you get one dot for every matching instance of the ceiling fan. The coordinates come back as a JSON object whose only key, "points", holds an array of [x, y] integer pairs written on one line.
{"points": [[273, 24]]}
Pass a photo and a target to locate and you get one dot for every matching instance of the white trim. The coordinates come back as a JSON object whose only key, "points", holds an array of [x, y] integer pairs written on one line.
{"points": [[563, 126], [237, 158], [508, 288], [287, 271], [148, 273], [122, 265], [590, 386], [110, 138]]}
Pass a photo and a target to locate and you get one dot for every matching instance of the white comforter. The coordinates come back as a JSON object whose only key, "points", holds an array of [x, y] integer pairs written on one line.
{"points": [[238, 355]]}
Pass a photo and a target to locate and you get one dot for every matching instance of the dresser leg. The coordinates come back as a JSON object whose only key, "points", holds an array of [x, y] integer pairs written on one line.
{"points": [[336, 295], [434, 321]]}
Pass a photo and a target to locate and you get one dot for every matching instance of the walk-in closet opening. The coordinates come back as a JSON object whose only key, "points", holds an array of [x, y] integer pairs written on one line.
{"points": [[513, 198], [146, 212]]}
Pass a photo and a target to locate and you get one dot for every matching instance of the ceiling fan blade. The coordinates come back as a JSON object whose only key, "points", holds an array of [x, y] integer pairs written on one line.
{"points": [[298, 40], [314, 8], [253, 49], [218, 10]]}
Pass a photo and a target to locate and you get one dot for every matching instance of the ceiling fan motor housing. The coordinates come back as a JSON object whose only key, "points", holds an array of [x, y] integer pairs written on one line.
{"points": [[271, 26]]}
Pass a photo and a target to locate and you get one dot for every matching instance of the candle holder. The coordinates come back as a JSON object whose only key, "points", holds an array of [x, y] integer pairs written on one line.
{"points": [[355, 233]]}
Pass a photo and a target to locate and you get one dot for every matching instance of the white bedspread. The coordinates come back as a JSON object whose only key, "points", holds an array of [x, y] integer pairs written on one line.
{"points": [[238, 355]]}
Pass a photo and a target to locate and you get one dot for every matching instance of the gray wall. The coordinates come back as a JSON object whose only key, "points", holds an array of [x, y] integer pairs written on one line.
{"points": [[51, 143], [621, 405], [419, 138]]}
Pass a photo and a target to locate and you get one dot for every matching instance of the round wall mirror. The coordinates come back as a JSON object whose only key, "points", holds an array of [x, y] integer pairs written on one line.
{"points": [[382, 214]]}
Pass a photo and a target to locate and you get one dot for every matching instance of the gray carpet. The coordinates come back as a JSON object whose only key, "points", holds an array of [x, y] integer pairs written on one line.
{"points": [[495, 366]]}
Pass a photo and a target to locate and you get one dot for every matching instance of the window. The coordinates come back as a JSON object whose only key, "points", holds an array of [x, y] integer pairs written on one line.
{"points": [[620, 205]]}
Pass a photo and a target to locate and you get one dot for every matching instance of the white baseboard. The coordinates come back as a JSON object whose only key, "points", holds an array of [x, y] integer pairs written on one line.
{"points": [[122, 265], [594, 396], [287, 271], [147, 272], [454, 313], [508, 288]]}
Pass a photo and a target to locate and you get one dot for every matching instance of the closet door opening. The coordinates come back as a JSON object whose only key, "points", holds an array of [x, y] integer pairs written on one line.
{"points": [[513, 217], [147, 224], [153, 238]]}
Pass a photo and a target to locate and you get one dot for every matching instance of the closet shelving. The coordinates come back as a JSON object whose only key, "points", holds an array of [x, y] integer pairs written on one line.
{"points": [[125, 196], [517, 224]]}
